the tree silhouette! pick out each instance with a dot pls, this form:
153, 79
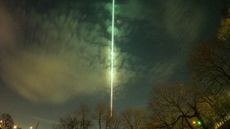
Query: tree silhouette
7, 121
210, 68
134, 118
78, 120
175, 106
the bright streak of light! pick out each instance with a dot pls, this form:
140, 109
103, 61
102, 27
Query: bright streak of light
112, 60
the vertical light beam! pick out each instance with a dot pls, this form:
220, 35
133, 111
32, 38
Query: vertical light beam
112, 60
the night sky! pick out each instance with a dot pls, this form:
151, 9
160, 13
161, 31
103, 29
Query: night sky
54, 54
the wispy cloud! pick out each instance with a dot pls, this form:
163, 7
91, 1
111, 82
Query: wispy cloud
65, 54
66, 58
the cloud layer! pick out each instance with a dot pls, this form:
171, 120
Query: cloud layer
63, 54
65, 58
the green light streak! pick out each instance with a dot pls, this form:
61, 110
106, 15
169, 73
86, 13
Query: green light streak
112, 60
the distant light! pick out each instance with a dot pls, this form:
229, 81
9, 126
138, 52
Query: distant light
31, 127
15, 127
199, 123
1, 121
194, 122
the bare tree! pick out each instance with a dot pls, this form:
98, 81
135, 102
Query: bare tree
77, 120
84, 117
210, 64
7, 121
100, 114
174, 106
210, 68
104, 119
224, 29
113, 122
134, 118
69, 122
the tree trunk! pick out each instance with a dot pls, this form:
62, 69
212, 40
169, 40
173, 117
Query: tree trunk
99, 123
190, 126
